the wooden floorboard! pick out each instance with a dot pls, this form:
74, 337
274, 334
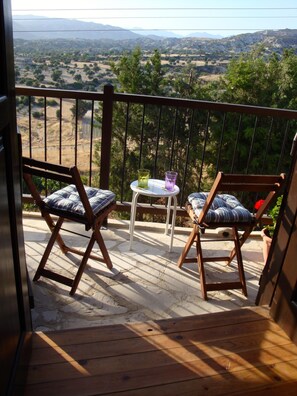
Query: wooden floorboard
236, 352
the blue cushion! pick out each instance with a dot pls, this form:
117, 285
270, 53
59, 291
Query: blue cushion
68, 199
225, 208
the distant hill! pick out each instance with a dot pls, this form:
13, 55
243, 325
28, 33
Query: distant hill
271, 41
204, 35
156, 34
30, 27
81, 34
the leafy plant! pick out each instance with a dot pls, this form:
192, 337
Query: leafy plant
274, 212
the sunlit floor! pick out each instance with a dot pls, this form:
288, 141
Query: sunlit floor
145, 282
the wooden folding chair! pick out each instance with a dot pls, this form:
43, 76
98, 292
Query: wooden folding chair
87, 205
211, 210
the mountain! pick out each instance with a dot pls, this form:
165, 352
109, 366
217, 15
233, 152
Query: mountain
156, 34
71, 33
204, 35
30, 27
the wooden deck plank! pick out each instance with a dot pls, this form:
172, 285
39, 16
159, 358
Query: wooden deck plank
165, 326
209, 355
218, 361
172, 381
138, 344
98, 365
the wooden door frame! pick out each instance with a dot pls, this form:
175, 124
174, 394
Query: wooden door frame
13, 187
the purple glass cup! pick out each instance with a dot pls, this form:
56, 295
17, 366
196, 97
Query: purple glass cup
170, 180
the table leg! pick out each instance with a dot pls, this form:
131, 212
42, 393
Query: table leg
168, 215
173, 222
132, 217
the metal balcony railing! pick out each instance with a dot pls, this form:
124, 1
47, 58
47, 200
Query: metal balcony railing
110, 135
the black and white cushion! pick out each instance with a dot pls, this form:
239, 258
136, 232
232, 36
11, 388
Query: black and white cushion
68, 199
225, 208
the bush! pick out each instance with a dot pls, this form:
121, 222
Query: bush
274, 212
37, 114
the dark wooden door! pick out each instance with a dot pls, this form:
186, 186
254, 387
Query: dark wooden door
278, 286
284, 301
14, 308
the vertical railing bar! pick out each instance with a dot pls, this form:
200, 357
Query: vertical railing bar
252, 145
30, 127
204, 150
158, 140
125, 150
45, 129
60, 132
76, 132
45, 140
141, 136
107, 122
91, 144
173, 138
187, 158
283, 147
220, 144
236, 143
267, 144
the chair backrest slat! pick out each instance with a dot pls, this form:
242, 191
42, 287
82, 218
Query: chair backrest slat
46, 165
256, 179
248, 187
48, 174
82, 193
252, 183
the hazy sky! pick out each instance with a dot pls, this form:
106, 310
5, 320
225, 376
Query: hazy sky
225, 17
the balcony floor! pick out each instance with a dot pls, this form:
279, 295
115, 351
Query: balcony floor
145, 283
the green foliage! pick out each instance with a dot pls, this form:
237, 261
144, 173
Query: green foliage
274, 213
56, 75
51, 102
256, 79
135, 76
37, 114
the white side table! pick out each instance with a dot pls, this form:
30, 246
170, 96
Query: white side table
156, 189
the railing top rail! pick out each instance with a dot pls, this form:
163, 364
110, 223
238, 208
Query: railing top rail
59, 93
160, 100
207, 105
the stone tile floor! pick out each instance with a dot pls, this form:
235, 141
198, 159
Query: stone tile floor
145, 283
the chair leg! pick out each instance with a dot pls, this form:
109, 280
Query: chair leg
242, 239
55, 234
239, 260
201, 267
51, 225
82, 265
188, 245
96, 236
102, 247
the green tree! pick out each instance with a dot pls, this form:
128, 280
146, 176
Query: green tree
254, 79
259, 80
82, 108
136, 76
56, 75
